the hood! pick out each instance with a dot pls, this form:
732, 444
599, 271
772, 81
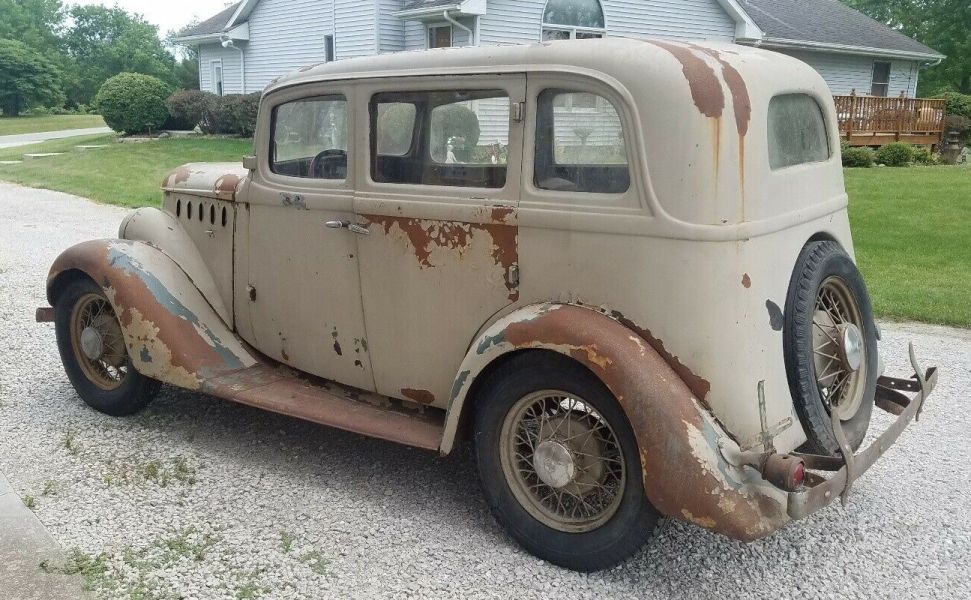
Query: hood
208, 180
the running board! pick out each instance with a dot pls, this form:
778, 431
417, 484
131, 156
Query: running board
282, 390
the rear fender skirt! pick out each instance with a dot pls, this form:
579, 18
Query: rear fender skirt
172, 333
685, 474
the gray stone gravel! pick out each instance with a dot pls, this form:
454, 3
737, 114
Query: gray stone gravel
200, 498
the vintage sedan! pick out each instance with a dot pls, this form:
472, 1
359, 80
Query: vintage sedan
622, 269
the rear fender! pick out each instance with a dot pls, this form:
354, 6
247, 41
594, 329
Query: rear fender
172, 333
685, 474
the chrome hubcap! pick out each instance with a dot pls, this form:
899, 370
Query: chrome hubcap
91, 343
851, 346
554, 464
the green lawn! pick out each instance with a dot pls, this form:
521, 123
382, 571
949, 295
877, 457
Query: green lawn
912, 232
127, 174
15, 125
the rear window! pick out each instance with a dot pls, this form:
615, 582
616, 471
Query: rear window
797, 131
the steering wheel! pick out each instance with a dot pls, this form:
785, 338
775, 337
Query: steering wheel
329, 164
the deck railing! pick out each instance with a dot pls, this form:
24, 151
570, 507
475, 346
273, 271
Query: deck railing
873, 121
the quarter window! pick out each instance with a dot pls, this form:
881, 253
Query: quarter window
573, 20
449, 138
580, 144
310, 138
797, 131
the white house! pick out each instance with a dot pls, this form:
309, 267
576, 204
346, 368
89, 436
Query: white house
252, 42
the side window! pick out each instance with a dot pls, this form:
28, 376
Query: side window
797, 131
580, 145
448, 138
310, 138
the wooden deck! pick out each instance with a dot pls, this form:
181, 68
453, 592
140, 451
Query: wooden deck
874, 121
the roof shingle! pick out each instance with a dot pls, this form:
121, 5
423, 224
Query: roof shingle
212, 25
827, 22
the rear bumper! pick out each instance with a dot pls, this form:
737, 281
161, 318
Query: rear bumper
891, 396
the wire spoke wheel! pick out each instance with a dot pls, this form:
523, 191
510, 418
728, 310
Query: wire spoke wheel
839, 354
98, 342
562, 461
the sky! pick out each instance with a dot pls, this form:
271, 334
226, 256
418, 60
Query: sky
167, 14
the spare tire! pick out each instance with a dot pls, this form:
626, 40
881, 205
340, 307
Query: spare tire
830, 345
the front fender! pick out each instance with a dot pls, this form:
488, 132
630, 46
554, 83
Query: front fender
685, 474
172, 333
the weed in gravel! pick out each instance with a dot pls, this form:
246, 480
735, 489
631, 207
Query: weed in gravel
29, 501
251, 589
161, 472
93, 569
316, 562
50, 486
71, 443
188, 543
286, 541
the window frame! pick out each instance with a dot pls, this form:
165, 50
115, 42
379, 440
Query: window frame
219, 85
430, 27
263, 139
271, 154
886, 84
635, 200
827, 134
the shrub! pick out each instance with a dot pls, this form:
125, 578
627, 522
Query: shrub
960, 124
133, 103
187, 108
897, 154
958, 104
232, 114
454, 121
923, 156
862, 157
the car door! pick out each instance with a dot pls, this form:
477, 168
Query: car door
303, 289
439, 198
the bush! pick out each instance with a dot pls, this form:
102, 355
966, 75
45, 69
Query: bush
232, 114
133, 103
960, 124
861, 157
958, 104
923, 156
187, 108
897, 154
458, 122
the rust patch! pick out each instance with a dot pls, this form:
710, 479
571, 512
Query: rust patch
424, 235
706, 90
683, 472
227, 184
741, 101
501, 213
284, 354
698, 386
746, 281
337, 348
176, 176
419, 396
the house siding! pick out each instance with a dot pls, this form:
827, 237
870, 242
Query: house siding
845, 73
391, 29
232, 83
356, 28
285, 35
520, 21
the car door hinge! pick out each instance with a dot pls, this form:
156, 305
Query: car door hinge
518, 111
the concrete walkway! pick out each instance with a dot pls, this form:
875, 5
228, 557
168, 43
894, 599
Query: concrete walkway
12, 141
24, 544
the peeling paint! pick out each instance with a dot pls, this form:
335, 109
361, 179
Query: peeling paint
706, 89
419, 396
746, 281
776, 318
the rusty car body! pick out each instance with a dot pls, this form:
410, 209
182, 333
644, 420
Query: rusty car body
361, 289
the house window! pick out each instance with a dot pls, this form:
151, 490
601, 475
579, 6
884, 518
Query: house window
881, 79
577, 151
573, 20
440, 36
217, 77
328, 48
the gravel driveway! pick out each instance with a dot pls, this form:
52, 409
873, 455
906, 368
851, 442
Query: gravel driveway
200, 498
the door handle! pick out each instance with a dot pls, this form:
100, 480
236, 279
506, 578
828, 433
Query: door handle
352, 227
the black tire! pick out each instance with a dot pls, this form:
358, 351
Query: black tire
133, 392
819, 262
635, 518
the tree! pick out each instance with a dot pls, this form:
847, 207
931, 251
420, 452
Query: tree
187, 74
944, 25
103, 42
35, 23
27, 79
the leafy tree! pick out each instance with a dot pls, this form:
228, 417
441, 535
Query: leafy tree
103, 42
35, 23
27, 79
944, 25
186, 73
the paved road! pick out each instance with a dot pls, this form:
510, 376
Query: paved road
23, 139
203, 498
